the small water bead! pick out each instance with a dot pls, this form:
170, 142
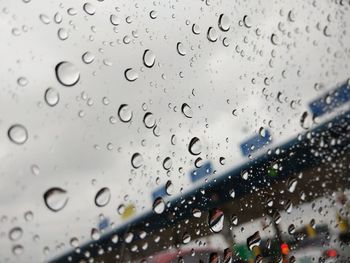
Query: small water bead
291, 185
57, 18
114, 20
89, 9
62, 33
67, 74
169, 188
158, 205
17, 249
262, 132
95, 234
186, 110
186, 238
35, 169
153, 14
232, 193
212, 34
15, 233
222, 160
254, 240
28, 216
22, 81
244, 175
196, 213
125, 113
115, 238
74, 242
196, 29
149, 120
52, 97
173, 139
18, 134
274, 39
44, 19
195, 146
216, 220
149, 58
136, 160
72, 11
167, 163
131, 74
55, 199
88, 57
180, 49
224, 22
247, 21
103, 197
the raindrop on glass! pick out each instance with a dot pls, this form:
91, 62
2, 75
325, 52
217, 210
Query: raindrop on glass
55, 199
52, 97
102, 197
158, 205
195, 146
136, 160
67, 74
18, 134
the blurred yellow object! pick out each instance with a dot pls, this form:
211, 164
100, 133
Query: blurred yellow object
128, 212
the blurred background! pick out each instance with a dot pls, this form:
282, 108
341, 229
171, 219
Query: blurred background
174, 131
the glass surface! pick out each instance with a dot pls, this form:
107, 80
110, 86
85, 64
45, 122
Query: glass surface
174, 131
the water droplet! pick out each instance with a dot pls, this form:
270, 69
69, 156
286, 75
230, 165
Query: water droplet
291, 229
195, 146
115, 238
153, 14
232, 193
89, 9
169, 187
95, 234
149, 120
216, 220
18, 134
224, 22
149, 58
124, 113
292, 184
274, 39
67, 74
186, 238
247, 21
74, 242
136, 160
173, 139
114, 20
159, 205
180, 49
15, 233
212, 34
222, 160
131, 74
244, 175
198, 162
55, 199
28, 216
254, 240
305, 120
52, 97
62, 34
186, 110
102, 197
291, 16
276, 217
44, 19
196, 213
195, 29
35, 169
234, 220
262, 132
22, 81
167, 163
88, 57
17, 250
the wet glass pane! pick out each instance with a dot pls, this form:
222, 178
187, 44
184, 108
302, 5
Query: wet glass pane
175, 131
